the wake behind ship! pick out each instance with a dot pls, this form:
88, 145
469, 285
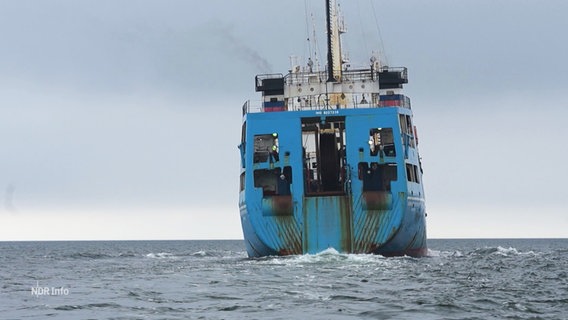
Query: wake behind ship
330, 160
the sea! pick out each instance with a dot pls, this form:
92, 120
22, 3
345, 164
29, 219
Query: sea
459, 279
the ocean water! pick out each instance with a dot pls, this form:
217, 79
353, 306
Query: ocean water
461, 279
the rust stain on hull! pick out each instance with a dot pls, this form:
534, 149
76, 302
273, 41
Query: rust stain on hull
327, 224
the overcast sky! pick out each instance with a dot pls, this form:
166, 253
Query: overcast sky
120, 119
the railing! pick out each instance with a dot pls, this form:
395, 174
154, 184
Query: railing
252, 107
320, 104
321, 77
354, 75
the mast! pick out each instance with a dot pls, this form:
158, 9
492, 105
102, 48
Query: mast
333, 43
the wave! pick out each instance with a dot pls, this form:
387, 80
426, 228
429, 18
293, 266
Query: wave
89, 255
87, 306
197, 254
97, 255
204, 254
200, 253
501, 251
161, 255
328, 256
444, 254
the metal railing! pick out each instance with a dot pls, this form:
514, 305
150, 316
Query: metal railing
321, 77
252, 107
257, 106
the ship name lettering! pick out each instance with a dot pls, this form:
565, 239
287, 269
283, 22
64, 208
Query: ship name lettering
327, 112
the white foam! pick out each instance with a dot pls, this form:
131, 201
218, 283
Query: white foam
328, 256
199, 253
328, 251
160, 255
444, 254
506, 251
512, 252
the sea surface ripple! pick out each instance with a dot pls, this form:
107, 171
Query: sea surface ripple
460, 279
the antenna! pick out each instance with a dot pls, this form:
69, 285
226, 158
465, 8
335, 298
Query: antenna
333, 43
315, 38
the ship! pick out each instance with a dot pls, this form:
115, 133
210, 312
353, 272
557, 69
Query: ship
329, 160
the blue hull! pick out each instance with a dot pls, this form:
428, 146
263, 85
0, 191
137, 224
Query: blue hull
366, 211
368, 236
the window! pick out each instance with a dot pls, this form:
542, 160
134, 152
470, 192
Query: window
407, 130
243, 132
242, 146
381, 142
242, 184
412, 173
416, 176
409, 172
266, 148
